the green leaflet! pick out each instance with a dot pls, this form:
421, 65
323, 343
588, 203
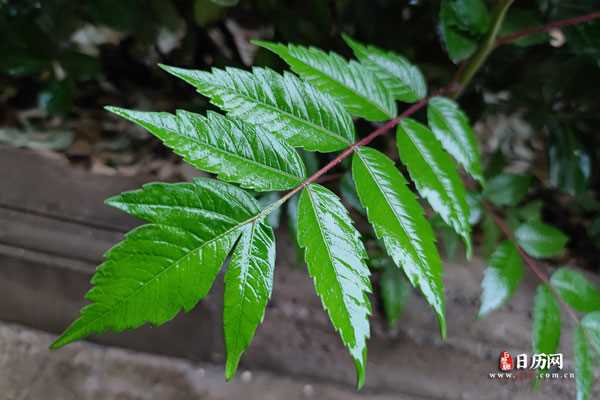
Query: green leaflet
575, 289
459, 40
584, 375
540, 240
435, 176
403, 79
502, 276
395, 292
248, 284
336, 261
237, 152
546, 321
351, 83
169, 263
284, 105
398, 219
452, 128
591, 324
507, 189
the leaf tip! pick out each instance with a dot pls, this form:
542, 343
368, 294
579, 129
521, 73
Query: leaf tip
231, 366
360, 372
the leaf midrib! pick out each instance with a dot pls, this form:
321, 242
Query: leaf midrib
290, 115
176, 262
409, 88
341, 84
239, 158
338, 287
393, 210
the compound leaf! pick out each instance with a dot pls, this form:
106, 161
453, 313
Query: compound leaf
546, 321
575, 289
435, 176
248, 284
351, 83
452, 128
237, 152
502, 276
403, 79
398, 220
168, 264
284, 105
540, 240
336, 261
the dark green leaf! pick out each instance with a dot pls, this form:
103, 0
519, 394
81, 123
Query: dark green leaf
517, 20
463, 22
168, 264
336, 261
399, 221
507, 189
248, 285
348, 190
540, 240
502, 276
351, 83
284, 105
584, 375
395, 292
435, 176
491, 234
237, 152
452, 128
576, 290
546, 321
404, 80
569, 162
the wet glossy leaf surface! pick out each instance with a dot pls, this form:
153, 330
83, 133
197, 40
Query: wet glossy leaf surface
452, 128
171, 262
351, 83
435, 175
237, 152
399, 221
540, 240
403, 79
502, 276
336, 257
284, 105
248, 286
576, 290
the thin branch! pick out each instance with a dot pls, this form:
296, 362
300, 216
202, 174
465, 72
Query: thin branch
531, 263
546, 28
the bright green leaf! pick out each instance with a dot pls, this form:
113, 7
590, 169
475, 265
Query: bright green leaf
403, 79
398, 220
507, 189
336, 261
351, 83
503, 274
235, 151
284, 105
248, 284
168, 264
546, 321
576, 290
540, 240
452, 128
435, 176
584, 375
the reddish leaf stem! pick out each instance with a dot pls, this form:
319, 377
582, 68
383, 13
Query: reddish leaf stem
531, 263
546, 28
